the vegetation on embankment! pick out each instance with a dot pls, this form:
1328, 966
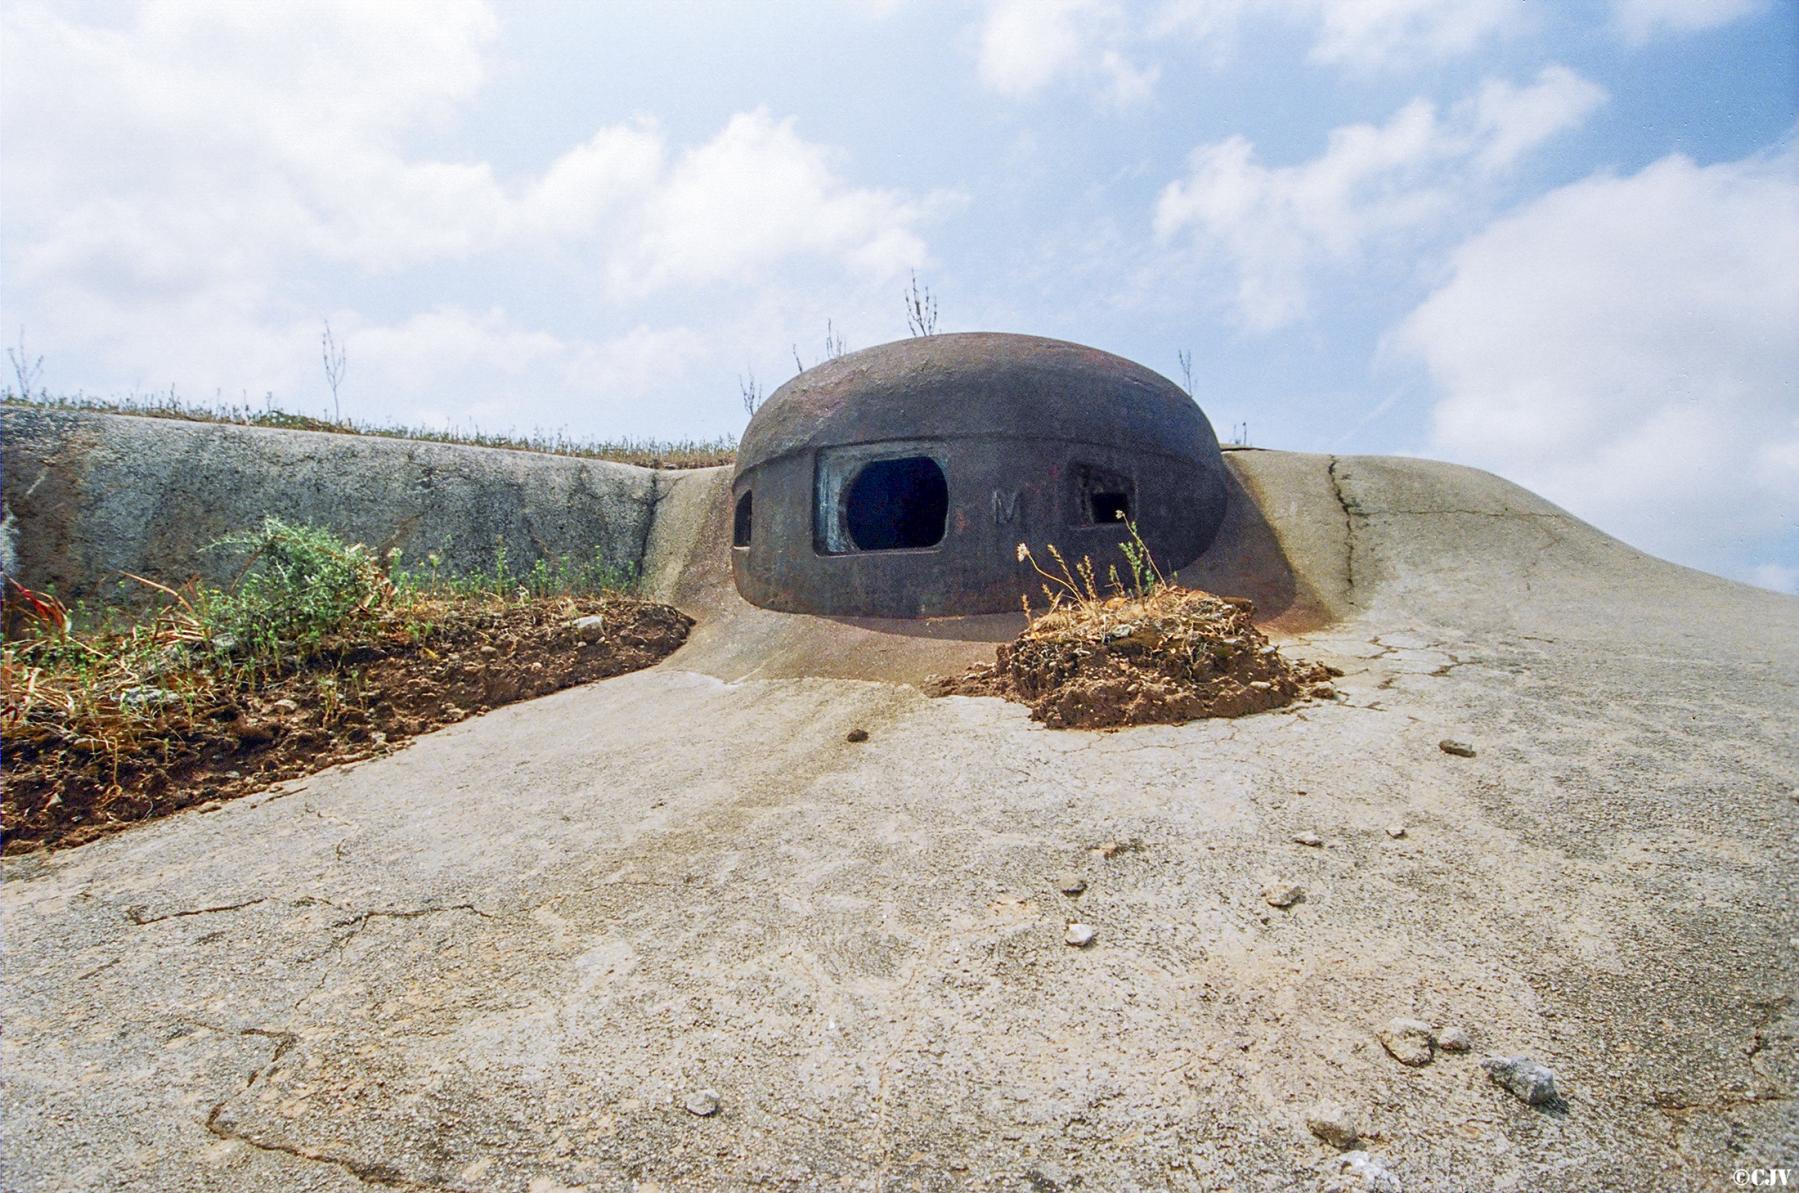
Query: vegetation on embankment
647, 453
318, 654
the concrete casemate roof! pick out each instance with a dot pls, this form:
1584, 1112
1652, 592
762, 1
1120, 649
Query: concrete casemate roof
978, 384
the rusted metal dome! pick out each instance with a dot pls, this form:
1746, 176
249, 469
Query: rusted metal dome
899, 480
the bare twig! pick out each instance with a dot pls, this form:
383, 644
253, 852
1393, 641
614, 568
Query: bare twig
336, 362
750, 392
25, 370
921, 309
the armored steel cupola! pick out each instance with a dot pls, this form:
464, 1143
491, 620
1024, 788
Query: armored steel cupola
898, 481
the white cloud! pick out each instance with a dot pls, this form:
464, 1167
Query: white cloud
189, 184
1625, 346
754, 194
1641, 20
1777, 577
1025, 45
1277, 226
1366, 34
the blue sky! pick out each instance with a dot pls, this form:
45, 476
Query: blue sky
1556, 240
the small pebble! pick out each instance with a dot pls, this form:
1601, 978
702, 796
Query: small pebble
1071, 884
1407, 1041
1396, 831
857, 735
1460, 749
1324, 691
1454, 1038
1312, 839
1080, 935
1282, 894
1333, 1123
1106, 848
590, 628
702, 1102
285, 705
1528, 1081
1364, 1174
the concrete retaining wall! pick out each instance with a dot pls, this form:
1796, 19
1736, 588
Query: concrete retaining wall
88, 496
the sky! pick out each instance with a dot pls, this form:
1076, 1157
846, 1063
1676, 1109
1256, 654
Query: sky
1558, 241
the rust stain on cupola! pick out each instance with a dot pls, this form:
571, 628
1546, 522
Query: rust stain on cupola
898, 481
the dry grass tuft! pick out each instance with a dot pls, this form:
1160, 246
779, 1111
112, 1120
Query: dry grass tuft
1139, 651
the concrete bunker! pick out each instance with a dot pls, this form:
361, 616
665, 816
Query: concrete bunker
898, 481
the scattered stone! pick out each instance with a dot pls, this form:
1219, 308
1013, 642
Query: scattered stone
1333, 1123
1080, 935
1362, 1173
702, 1102
285, 705
1530, 1082
591, 628
1454, 1038
1460, 749
144, 697
1071, 884
1311, 839
1324, 691
1282, 894
856, 735
1396, 831
1408, 1041
379, 738
1106, 848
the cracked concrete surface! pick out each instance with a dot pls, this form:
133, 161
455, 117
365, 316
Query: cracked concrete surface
501, 957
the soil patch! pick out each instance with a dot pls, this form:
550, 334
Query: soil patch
1176, 655
339, 706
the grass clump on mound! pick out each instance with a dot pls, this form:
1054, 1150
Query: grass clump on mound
318, 654
1144, 651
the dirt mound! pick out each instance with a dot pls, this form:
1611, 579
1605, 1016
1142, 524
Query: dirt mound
1176, 655
63, 789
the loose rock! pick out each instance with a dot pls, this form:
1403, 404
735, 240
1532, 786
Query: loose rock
856, 735
1530, 1082
1454, 1039
1312, 839
1333, 1123
1460, 749
1362, 1173
1080, 935
147, 697
590, 628
1396, 831
1408, 1041
1071, 884
702, 1103
1282, 894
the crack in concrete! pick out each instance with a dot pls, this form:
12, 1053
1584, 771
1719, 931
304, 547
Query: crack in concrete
649, 524
382, 1175
1349, 512
136, 913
